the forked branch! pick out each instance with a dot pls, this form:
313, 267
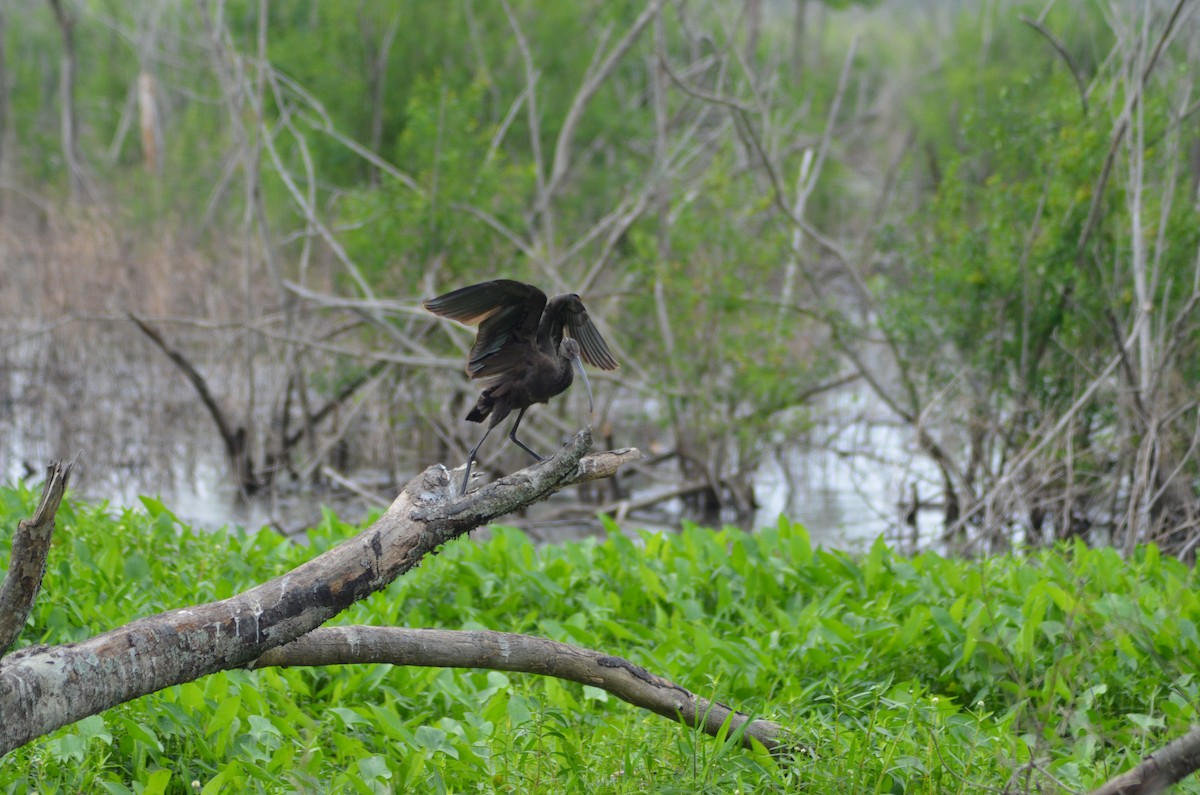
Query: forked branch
42, 689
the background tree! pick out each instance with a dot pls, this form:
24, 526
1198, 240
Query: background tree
963, 246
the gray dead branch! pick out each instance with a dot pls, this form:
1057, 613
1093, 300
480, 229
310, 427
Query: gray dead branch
44, 688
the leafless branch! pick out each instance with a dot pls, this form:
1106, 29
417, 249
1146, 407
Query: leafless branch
1061, 49
591, 84
505, 651
233, 439
1119, 130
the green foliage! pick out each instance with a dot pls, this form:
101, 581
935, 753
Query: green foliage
994, 272
894, 674
739, 358
450, 156
998, 314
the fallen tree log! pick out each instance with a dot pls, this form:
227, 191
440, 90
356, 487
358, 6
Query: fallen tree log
1169, 765
43, 688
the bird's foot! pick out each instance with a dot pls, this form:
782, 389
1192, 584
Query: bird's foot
466, 481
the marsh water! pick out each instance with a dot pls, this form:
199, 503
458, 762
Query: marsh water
135, 428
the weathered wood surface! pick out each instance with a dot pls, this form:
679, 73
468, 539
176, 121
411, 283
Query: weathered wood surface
27, 563
1169, 765
504, 651
44, 688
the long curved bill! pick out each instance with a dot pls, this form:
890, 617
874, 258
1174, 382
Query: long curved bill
577, 360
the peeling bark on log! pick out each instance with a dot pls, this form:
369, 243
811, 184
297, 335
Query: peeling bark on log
503, 651
27, 563
42, 688
1174, 762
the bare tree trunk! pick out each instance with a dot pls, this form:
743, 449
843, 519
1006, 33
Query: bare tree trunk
27, 563
377, 63
149, 24
506, 651
753, 10
148, 119
1173, 763
798, 39
69, 121
6, 137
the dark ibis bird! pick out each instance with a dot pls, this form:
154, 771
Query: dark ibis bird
525, 349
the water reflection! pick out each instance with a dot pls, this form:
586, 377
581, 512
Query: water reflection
853, 480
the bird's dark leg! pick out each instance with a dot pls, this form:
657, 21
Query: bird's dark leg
513, 435
471, 458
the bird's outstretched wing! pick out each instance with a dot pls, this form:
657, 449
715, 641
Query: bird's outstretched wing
569, 311
507, 313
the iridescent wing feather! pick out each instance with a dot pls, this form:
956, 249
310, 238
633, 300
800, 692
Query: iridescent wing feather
507, 313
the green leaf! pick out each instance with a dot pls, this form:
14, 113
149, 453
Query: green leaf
157, 783
142, 733
1145, 722
350, 717
375, 768
518, 711
93, 727
595, 693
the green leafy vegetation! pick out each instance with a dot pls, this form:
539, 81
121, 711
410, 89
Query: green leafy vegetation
987, 226
892, 674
